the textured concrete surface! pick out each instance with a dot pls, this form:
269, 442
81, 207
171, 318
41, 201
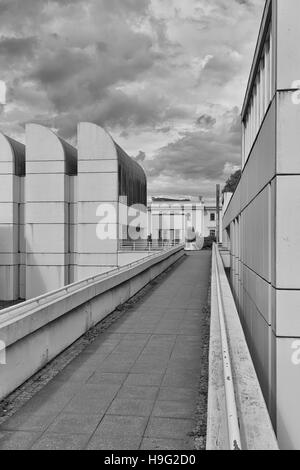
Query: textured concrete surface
135, 386
12, 194
35, 335
254, 421
263, 225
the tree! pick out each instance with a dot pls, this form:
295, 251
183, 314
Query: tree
232, 182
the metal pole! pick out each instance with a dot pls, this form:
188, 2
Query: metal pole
218, 211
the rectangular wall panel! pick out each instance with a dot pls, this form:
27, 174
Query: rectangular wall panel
266, 208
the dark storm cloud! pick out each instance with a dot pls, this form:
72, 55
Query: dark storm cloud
4, 7
89, 74
163, 76
128, 6
54, 68
66, 2
205, 121
220, 69
248, 3
16, 47
19, 15
118, 109
199, 154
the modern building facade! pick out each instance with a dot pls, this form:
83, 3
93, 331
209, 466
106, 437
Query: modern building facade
63, 210
51, 166
12, 225
108, 182
261, 226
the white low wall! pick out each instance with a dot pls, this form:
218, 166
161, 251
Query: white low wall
36, 331
255, 424
226, 258
130, 256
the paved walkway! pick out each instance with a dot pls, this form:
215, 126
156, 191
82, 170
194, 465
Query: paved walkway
135, 386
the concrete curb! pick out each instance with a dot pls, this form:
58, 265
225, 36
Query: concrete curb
255, 425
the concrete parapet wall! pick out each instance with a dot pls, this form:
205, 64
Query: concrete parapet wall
36, 331
129, 257
255, 424
261, 223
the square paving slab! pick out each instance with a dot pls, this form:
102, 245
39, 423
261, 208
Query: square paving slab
136, 386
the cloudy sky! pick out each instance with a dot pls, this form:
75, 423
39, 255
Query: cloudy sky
165, 77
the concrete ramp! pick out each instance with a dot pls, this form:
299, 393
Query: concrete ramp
137, 385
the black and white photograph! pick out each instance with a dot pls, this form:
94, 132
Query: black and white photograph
149, 228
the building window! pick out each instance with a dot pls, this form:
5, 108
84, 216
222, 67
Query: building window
212, 217
259, 96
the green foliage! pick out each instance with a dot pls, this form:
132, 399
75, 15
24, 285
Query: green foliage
208, 242
232, 182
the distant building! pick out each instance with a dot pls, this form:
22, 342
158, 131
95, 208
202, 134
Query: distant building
210, 217
182, 219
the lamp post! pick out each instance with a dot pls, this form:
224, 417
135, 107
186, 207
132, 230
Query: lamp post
218, 190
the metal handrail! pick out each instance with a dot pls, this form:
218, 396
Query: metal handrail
231, 408
48, 297
146, 245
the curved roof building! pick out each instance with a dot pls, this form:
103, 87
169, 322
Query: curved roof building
108, 180
132, 179
12, 169
42, 144
96, 145
13, 152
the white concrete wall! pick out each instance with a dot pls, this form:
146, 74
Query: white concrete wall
72, 228
36, 331
264, 225
171, 216
57, 241
255, 425
12, 259
47, 212
209, 224
97, 183
125, 258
